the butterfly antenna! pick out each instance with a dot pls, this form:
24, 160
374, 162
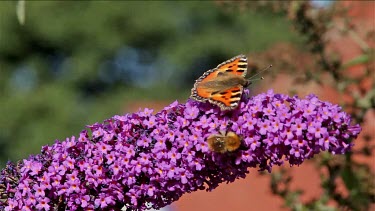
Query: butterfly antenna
265, 69
256, 79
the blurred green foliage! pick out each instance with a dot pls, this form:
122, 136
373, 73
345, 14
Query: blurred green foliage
74, 63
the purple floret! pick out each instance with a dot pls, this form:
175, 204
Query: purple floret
142, 160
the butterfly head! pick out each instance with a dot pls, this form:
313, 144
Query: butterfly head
247, 83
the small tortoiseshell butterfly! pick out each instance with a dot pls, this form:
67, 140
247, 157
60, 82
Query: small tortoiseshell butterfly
224, 84
224, 142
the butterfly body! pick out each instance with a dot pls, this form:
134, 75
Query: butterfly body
223, 85
222, 82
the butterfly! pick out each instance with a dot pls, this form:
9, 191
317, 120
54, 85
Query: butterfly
223, 85
222, 143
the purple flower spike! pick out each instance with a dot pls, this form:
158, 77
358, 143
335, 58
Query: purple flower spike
142, 160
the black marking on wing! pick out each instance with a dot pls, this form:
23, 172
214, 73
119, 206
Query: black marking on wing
220, 74
241, 70
236, 95
215, 92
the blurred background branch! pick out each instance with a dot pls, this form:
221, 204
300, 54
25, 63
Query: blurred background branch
20, 10
319, 28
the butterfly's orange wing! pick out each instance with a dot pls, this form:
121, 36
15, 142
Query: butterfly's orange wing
228, 97
236, 65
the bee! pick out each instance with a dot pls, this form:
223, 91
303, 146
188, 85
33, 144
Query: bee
224, 142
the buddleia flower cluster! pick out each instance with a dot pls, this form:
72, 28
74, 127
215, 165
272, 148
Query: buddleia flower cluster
143, 160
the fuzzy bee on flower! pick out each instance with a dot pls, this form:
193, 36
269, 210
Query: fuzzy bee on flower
224, 142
